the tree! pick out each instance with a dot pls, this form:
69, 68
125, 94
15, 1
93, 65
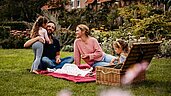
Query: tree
20, 10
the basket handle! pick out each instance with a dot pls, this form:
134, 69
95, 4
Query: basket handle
106, 72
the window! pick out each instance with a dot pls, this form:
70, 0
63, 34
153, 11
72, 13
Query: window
72, 4
78, 3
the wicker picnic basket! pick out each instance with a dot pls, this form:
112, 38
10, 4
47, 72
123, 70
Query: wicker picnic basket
110, 75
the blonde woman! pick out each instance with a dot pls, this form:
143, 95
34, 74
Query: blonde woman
88, 49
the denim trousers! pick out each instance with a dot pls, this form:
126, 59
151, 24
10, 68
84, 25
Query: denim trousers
38, 50
105, 61
51, 63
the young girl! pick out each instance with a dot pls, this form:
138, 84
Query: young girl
122, 49
38, 29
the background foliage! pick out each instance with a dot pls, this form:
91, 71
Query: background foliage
131, 22
20, 10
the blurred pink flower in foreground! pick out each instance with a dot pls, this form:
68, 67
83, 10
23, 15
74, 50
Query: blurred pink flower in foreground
64, 92
115, 92
133, 72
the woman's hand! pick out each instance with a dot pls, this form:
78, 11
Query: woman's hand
84, 56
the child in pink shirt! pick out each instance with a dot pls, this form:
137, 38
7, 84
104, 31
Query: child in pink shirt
88, 49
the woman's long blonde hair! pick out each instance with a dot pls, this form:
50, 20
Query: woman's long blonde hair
85, 28
39, 23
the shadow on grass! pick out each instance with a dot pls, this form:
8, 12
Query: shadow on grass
149, 83
162, 86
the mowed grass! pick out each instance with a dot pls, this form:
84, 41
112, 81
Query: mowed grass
16, 80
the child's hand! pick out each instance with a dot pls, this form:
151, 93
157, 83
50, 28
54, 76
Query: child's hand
40, 39
112, 61
49, 42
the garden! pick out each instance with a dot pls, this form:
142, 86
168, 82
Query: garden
141, 22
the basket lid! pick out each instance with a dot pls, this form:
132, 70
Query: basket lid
139, 52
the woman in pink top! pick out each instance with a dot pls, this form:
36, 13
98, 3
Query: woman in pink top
88, 49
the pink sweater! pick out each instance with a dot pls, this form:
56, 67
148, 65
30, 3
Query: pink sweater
92, 48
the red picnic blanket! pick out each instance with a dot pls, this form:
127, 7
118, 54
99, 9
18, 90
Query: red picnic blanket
76, 79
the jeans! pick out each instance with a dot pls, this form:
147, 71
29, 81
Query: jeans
51, 63
105, 61
38, 50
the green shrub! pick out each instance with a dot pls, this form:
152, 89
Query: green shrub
68, 48
4, 32
153, 28
165, 48
16, 39
66, 37
17, 25
106, 39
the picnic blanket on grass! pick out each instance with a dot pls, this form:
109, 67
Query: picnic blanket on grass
76, 79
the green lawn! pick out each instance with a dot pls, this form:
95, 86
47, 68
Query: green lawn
15, 79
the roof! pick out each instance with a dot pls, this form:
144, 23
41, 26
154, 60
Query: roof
89, 1
99, 1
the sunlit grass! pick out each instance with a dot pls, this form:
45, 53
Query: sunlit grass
16, 80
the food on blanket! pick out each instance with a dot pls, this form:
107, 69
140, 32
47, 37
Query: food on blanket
51, 70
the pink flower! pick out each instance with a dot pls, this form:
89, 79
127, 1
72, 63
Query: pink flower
134, 71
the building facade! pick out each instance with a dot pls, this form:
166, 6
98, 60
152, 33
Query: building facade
78, 4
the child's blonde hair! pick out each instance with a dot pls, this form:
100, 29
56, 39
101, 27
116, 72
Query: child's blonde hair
39, 23
121, 44
85, 28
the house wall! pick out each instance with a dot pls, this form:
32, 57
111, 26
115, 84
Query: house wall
78, 4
